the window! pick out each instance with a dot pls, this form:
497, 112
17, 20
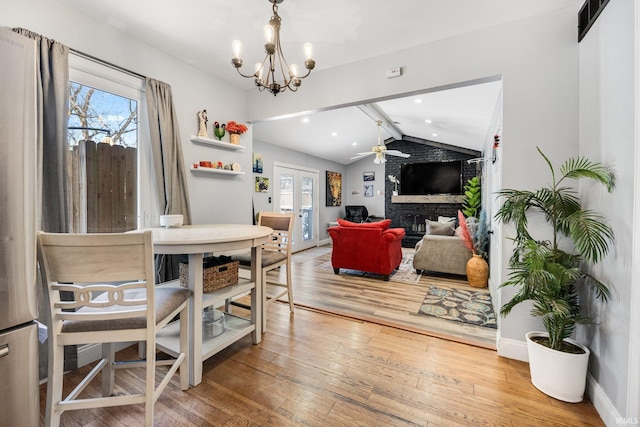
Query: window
109, 154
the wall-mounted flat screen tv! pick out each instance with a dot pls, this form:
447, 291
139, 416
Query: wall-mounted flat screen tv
431, 178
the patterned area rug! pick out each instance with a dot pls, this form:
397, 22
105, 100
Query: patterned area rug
462, 305
405, 273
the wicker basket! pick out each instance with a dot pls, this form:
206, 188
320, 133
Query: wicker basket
213, 278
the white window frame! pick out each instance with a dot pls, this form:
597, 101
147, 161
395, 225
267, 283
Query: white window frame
109, 79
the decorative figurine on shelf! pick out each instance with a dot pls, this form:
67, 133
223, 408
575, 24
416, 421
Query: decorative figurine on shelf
219, 130
202, 123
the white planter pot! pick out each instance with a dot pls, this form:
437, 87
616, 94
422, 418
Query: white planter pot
560, 375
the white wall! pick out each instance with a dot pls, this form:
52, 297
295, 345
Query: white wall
608, 113
213, 199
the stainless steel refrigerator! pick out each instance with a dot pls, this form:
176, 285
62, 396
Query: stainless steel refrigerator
19, 376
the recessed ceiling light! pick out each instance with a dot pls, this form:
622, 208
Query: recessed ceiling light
334, 134
305, 120
417, 101
354, 143
434, 134
427, 121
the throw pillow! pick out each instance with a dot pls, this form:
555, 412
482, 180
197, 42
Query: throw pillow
439, 228
382, 225
446, 219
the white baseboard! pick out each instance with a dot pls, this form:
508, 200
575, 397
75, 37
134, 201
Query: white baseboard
89, 353
603, 405
324, 242
512, 349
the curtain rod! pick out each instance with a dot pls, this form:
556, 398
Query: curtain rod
108, 64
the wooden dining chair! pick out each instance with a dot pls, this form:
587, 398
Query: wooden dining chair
275, 253
111, 277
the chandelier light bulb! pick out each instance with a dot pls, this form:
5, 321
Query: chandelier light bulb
236, 46
308, 51
268, 32
293, 70
258, 71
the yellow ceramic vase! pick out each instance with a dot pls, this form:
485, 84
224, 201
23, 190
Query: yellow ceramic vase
234, 138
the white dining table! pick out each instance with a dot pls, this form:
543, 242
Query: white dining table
196, 241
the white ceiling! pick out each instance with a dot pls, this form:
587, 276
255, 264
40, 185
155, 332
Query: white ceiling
200, 32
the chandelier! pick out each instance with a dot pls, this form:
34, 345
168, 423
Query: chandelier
274, 64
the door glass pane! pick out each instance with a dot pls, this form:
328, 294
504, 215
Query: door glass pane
286, 193
307, 209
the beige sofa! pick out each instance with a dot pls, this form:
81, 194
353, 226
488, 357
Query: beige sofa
443, 254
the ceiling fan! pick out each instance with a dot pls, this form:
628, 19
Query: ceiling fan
380, 150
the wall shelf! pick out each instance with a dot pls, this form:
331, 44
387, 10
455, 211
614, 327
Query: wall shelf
215, 143
215, 171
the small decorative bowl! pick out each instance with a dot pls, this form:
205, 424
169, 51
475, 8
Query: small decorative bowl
171, 220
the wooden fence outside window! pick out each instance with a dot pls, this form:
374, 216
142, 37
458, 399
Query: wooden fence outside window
103, 187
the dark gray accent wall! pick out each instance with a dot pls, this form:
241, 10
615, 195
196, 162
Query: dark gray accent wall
412, 216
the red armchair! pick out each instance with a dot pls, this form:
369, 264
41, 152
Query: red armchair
370, 247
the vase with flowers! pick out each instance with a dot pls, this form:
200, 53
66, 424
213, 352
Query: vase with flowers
235, 130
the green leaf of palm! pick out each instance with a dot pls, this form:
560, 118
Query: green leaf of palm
590, 234
583, 168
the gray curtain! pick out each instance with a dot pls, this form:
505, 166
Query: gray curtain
52, 63
170, 174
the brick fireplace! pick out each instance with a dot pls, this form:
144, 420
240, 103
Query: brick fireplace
410, 212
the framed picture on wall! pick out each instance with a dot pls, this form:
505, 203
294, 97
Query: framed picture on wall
257, 162
368, 190
368, 176
334, 189
262, 184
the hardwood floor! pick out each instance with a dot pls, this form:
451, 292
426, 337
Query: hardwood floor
316, 369
320, 370
390, 303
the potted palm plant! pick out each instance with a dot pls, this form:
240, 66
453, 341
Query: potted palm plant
549, 276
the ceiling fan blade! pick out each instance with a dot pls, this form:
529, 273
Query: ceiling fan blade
398, 153
360, 155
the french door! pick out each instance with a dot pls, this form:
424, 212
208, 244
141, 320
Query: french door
296, 191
